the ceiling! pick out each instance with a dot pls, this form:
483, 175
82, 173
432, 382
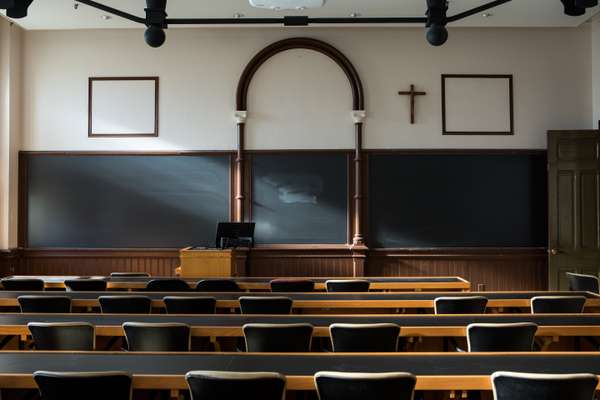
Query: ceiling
60, 14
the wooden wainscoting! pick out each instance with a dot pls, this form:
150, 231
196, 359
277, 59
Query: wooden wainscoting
97, 262
497, 269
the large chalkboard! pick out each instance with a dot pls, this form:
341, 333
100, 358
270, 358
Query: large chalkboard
457, 200
300, 198
118, 201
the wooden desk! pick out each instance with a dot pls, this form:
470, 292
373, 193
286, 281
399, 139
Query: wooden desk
550, 326
331, 301
434, 371
452, 283
212, 262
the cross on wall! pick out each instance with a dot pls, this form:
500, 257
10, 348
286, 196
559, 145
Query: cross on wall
413, 94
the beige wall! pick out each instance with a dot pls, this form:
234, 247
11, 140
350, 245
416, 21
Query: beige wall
596, 69
300, 99
10, 126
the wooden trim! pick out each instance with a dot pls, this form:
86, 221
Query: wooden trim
445, 131
480, 151
23, 201
91, 81
460, 252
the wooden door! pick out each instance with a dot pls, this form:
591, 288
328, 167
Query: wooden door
573, 202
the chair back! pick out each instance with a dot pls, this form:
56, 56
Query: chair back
157, 337
347, 285
64, 336
217, 385
130, 274
167, 285
364, 337
460, 305
84, 385
365, 386
583, 283
125, 304
190, 305
292, 285
278, 338
44, 304
217, 285
557, 304
85, 285
23, 284
501, 337
520, 386
265, 305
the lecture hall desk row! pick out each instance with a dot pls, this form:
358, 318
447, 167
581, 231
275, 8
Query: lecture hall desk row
434, 371
551, 326
332, 302
416, 284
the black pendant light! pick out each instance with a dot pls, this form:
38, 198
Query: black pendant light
586, 3
571, 9
15, 8
156, 21
437, 34
4, 4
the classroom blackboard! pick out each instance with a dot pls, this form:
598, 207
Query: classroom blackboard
300, 198
458, 200
125, 201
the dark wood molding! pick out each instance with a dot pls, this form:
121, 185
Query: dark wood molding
91, 81
509, 77
9, 261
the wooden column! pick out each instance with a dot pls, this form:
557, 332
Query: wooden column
358, 239
240, 118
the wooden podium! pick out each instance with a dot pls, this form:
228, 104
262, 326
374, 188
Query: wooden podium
209, 263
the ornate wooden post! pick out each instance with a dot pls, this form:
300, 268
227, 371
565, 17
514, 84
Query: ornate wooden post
359, 250
240, 119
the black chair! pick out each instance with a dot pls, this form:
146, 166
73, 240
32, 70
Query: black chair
216, 385
64, 336
125, 304
190, 305
45, 304
217, 285
167, 285
22, 284
501, 337
265, 305
583, 283
292, 285
460, 305
347, 285
557, 304
520, 386
364, 337
157, 337
83, 385
363, 386
130, 274
85, 285
278, 338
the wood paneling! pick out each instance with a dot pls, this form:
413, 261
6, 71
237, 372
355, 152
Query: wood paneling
496, 269
9, 260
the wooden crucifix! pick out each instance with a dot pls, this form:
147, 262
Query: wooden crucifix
412, 93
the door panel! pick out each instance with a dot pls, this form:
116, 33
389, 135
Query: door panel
574, 207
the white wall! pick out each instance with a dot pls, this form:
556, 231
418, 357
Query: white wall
596, 69
300, 99
10, 120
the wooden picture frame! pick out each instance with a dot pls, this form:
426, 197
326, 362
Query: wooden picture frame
100, 105
500, 116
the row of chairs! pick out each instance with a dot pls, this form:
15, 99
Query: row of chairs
75, 336
179, 285
134, 304
217, 385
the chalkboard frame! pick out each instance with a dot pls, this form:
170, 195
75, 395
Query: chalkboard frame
25, 156
248, 184
366, 203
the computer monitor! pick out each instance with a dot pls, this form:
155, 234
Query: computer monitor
235, 234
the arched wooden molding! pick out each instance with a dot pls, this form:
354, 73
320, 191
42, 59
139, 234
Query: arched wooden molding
358, 115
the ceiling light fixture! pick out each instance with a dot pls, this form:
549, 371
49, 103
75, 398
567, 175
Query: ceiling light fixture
15, 8
437, 34
156, 17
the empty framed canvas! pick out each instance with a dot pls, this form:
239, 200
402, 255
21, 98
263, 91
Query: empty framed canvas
477, 105
123, 106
